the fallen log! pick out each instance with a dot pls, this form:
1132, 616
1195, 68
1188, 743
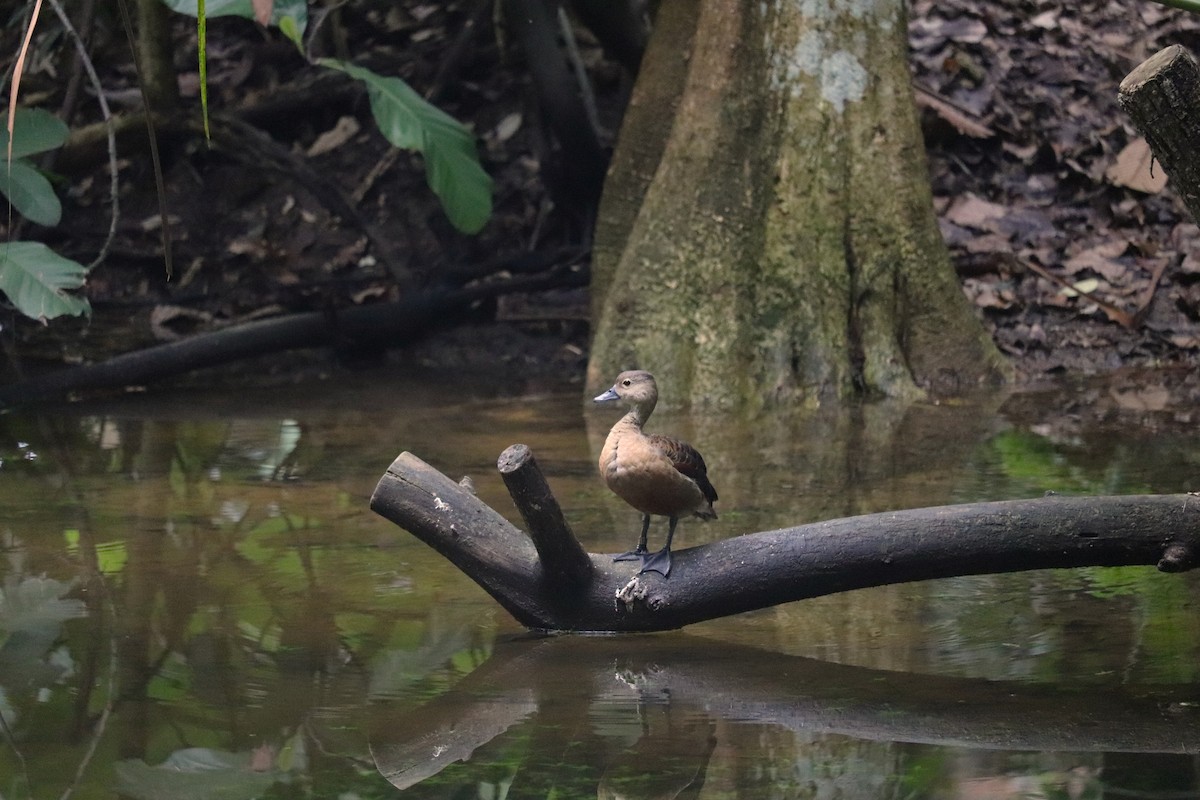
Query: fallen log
378, 324
550, 583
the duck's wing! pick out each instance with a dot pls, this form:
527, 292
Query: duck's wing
687, 460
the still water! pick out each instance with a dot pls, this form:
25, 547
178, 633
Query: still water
195, 602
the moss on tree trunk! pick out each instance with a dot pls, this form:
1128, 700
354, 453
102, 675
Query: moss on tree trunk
786, 249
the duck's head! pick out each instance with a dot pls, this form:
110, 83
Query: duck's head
636, 389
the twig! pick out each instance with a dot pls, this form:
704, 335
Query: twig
12, 742
373, 175
960, 118
1121, 317
564, 561
109, 699
585, 85
151, 130
114, 177
1147, 296
459, 49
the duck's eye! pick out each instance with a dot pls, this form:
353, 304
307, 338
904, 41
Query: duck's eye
626, 382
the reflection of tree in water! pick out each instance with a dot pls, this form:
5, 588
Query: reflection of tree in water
246, 618
663, 716
267, 627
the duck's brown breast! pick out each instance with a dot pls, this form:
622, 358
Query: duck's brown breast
638, 472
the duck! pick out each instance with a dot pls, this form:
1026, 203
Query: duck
658, 475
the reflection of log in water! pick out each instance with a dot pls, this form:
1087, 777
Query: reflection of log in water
697, 682
550, 583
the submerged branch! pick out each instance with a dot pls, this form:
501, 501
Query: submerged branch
763, 569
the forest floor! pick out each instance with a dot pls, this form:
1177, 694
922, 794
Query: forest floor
1078, 259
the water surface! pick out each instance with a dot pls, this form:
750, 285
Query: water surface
195, 601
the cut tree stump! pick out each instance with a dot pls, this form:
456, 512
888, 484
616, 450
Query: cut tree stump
547, 581
1162, 96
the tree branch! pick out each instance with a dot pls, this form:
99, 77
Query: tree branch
763, 569
564, 560
372, 325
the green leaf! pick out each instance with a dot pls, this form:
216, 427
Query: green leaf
452, 166
197, 773
296, 9
202, 57
30, 193
37, 281
34, 131
290, 28
1186, 5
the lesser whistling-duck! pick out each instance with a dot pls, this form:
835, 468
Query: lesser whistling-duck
655, 474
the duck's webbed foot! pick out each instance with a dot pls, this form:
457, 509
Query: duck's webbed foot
638, 553
659, 562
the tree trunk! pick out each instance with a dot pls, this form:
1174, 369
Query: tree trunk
644, 133
786, 249
550, 583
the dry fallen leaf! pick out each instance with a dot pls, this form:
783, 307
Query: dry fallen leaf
1185, 341
1100, 259
335, 137
972, 211
987, 243
1135, 169
507, 127
1149, 398
1086, 286
988, 295
1047, 20
262, 11
1185, 238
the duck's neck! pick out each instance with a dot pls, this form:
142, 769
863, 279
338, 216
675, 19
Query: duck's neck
639, 413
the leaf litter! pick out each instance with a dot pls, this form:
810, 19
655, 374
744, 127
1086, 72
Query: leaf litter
1077, 258
1077, 254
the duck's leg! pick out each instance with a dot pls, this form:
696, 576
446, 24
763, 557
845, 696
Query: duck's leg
660, 562
639, 553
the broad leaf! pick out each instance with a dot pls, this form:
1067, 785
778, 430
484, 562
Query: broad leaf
297, 10
452, 165
198, 773
290, 28
34, 131
36, 603
30, 193
38, 281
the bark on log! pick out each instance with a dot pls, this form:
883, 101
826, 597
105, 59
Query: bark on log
705, 679
564, 561
763, 569
1162, 96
